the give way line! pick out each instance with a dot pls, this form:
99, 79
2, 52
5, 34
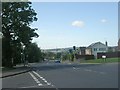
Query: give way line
35, 76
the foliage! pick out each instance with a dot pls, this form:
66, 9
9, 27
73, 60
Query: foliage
16, 20
33, 53
58, 55
50, 55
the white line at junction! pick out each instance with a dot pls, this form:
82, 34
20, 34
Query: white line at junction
35, 79
41, 78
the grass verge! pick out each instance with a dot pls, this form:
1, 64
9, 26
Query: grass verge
108, 60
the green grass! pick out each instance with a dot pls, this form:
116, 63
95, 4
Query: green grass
108, 60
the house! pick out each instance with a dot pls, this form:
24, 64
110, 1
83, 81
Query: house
84, 54
88, 51
113, 49
82, 50
97, 47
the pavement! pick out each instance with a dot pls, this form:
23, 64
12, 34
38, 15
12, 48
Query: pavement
18, 69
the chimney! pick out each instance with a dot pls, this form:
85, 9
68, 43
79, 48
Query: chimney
106, 43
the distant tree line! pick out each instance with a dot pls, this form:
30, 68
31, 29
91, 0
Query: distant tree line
69, 55
17, 35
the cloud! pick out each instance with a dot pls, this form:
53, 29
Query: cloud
103, 20
78, 23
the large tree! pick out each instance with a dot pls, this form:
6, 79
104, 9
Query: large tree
16, 20
33, 53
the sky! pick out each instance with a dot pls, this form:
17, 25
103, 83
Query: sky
68, 24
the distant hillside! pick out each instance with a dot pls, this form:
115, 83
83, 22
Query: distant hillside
56, 50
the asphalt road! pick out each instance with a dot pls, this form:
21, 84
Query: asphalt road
53, 75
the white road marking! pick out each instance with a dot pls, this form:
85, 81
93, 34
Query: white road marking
102, 72
52, 85
45, 81
34, 86
89, 70
40, 84
36, 80
42, 78
74, 68
29, 86
94, 71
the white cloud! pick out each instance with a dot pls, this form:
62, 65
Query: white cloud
78, 23
103, 20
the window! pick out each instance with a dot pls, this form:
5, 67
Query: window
95, 49
102, 49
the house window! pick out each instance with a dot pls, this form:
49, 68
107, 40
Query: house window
102, 49
95, 49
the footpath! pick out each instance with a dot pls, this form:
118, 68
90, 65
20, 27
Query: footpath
18, 69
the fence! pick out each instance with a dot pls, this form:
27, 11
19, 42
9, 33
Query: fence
109, 54
85, 57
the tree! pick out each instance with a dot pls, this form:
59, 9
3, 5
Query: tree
50, 55
58, 55
16, 20
71, 53
33, 53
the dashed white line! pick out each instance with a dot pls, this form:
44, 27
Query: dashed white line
42, 78
45, 81
89, 70
94, 71
74, 68
29, 86
35, 86
36, 80
102, 72
40, 84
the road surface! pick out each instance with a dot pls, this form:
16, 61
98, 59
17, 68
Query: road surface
55, 75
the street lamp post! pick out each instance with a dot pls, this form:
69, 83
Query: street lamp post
23, 54
74, 52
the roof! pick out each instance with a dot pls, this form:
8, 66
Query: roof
94, 44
